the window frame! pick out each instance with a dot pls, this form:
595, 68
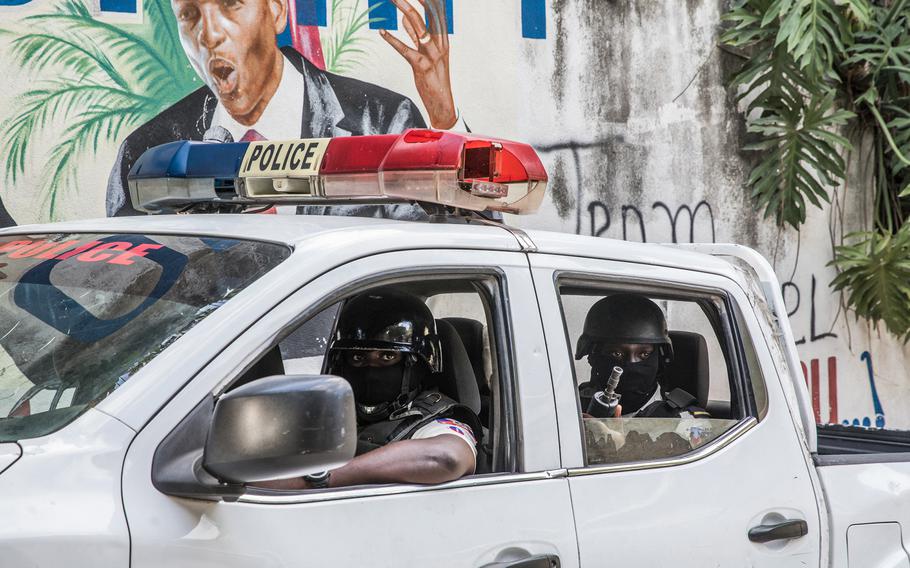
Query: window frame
491, 287
729, 337
507, 447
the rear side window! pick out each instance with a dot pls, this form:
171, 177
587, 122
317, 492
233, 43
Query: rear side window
81, 313
680, 387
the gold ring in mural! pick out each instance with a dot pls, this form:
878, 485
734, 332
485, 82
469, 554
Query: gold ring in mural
424, 39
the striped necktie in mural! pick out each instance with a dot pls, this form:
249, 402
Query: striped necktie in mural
252, 136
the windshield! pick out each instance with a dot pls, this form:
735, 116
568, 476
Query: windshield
81, 313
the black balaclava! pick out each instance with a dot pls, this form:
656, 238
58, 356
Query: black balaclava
638, 383
379, 391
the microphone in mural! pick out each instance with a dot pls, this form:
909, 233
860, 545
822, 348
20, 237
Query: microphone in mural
256, 90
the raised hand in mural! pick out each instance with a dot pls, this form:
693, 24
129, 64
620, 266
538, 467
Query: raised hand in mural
429, 58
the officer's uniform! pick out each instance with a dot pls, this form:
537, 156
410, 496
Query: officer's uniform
430, 414
401, 404
674, 404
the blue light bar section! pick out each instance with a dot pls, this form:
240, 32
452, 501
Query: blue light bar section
189, 159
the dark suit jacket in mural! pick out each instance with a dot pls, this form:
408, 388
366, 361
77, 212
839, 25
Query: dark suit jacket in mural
6, 220
332, 106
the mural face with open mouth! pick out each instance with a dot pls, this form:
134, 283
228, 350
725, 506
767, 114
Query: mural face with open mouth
231, 44
223, 75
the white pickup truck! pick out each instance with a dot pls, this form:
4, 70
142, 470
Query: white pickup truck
123, 341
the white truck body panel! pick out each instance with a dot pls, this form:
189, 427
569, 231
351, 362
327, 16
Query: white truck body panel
621, 509
72, 494
868, 509
61, 502
470, 522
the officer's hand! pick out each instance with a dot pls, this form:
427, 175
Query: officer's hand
429, 59
618, 412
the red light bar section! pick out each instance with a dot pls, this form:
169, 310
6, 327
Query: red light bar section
357, 154
483, 158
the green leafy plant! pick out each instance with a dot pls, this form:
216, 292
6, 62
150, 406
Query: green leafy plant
343, 46
108, 79
822, 77
875, 273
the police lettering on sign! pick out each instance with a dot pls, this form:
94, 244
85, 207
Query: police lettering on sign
296, 158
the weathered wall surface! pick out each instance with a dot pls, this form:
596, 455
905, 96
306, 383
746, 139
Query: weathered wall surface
625, 102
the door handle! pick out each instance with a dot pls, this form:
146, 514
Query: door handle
784, 530
539, 561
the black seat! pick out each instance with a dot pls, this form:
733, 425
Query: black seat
689, 370
457, 379
472, 336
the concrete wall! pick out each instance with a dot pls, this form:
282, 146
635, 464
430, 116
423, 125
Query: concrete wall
626, 103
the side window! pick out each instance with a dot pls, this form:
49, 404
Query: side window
466, 314
680, 384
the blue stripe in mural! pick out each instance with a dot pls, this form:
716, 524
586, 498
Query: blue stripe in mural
285, 37
534, 19
384, 14
450, 20
121, 6
311, 13
14, 2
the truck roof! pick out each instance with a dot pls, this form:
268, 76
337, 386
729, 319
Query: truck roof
380, 235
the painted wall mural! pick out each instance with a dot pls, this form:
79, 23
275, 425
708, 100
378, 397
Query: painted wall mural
625, 101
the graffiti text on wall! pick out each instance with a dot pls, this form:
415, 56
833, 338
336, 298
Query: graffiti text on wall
631, 216
793, 296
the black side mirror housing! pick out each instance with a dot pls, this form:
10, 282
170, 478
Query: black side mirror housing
280, 427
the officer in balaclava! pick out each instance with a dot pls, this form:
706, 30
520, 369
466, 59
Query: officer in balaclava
386, 346
630, 331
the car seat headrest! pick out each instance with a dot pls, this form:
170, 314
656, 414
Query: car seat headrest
457, 379
689, 370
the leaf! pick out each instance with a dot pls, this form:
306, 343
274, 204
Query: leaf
801, 157
814, 32
342, 48
875, 272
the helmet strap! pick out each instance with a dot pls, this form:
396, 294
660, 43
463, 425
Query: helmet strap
407, 393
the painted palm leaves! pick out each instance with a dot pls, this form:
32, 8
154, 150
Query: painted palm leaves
106, 80
343, 43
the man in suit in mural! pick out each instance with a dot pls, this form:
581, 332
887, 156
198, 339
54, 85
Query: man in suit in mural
256, 90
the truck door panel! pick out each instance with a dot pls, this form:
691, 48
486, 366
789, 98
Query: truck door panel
470, 522
693, 509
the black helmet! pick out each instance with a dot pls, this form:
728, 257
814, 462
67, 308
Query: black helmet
625, 318
390, 320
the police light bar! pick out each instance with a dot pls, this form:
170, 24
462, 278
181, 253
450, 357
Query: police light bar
464, 171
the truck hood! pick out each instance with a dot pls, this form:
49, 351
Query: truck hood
9, 453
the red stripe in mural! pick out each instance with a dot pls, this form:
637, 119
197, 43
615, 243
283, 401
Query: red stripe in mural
832, 390
306, 38
816, 399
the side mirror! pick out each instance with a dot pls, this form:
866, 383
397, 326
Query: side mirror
281, 426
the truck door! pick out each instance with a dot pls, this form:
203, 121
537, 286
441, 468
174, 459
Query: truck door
515, 511
731, 489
